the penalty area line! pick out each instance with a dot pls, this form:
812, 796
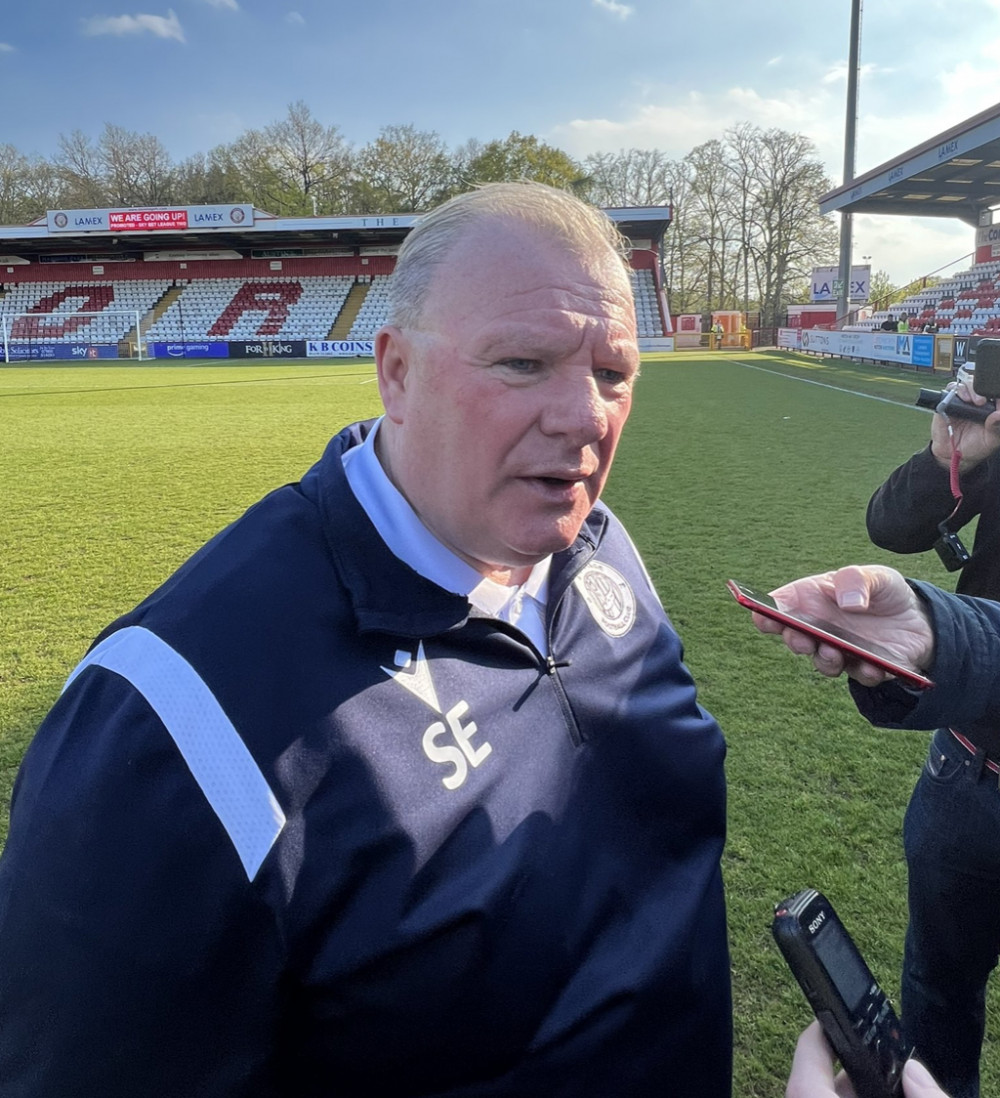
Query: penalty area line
836, 388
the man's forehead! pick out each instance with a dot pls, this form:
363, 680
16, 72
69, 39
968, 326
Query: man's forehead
524, 270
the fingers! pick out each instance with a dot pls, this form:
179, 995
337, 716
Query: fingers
918, 1081
874, 587
812, 1069
852, 587
966, 393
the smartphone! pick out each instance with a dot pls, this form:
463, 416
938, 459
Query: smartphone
849, 643
857, 1017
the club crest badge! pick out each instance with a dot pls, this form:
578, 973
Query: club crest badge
608, 597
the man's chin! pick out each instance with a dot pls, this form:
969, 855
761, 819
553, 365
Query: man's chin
530, 550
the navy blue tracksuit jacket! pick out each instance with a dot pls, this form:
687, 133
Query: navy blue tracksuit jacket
302, 825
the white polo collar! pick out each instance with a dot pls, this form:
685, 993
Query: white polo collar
411, 541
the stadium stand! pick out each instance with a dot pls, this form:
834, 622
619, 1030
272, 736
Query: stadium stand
57, 311
967, 303
248, 308
228, 308
374, 312
232, 281
647, 310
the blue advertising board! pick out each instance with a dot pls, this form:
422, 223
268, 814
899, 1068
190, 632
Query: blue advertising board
922, 353
29, 352
204, 349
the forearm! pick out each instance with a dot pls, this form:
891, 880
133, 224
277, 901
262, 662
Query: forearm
904, 513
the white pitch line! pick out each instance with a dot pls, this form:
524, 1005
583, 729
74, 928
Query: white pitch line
824, 385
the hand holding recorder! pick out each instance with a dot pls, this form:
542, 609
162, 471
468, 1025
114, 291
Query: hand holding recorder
854, 1012
813, 1072
889, 631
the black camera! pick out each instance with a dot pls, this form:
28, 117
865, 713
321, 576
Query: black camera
950, 549
984, 373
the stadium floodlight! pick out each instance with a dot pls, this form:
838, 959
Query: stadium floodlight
850, 142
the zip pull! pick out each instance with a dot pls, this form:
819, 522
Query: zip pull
552, 664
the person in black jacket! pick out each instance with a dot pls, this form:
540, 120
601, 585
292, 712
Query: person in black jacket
952, 854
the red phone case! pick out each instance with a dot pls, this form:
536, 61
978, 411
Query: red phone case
850, 644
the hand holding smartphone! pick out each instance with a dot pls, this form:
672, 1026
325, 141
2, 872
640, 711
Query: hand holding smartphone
851, 644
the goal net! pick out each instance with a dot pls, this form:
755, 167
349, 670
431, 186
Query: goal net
65, 334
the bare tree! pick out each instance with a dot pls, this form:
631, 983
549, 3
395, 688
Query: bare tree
712, 195
122, 169
44, 189
313, 159
207, 179
136, 168
686, 252
632, 177
79, 164
788, 233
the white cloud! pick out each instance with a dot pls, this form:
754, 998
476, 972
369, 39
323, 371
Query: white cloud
774, 61
967, 83
229, 5
622, 11
678, 125
295, 18
6, 47
162, 26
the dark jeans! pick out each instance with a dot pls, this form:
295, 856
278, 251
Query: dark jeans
952, 840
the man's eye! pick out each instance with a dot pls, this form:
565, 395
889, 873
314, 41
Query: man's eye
519, 365
613, 377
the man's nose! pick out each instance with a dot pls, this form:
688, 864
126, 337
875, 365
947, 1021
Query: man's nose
576, 409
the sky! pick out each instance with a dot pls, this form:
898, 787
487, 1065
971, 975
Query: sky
584, 75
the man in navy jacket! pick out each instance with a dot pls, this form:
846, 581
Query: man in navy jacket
399, 786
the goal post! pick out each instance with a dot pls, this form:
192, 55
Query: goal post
77, 336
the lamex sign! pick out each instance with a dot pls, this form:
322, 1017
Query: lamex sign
150, 219
340, 348
826, 283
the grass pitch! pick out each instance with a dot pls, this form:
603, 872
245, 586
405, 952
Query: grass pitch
755, 466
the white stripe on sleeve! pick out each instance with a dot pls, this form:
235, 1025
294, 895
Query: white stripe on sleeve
215, 754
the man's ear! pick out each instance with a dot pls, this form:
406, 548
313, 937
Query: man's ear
392, 362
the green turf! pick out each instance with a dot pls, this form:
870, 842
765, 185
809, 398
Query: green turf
755, 466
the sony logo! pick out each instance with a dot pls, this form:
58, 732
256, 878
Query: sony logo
817, 922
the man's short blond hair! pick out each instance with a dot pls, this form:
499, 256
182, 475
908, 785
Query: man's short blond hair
583, 228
